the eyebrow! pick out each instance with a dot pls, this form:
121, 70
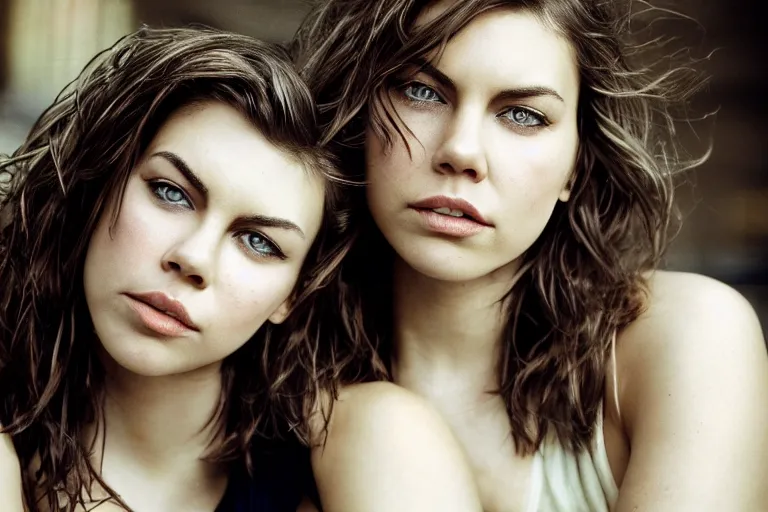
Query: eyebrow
507, 94
184, 169
264, 221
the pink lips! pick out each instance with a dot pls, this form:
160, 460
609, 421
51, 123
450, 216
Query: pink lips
162, 314
469, 224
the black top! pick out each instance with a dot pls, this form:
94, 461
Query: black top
280, 481
257, 494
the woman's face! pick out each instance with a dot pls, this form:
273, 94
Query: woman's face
213, 229
493, 147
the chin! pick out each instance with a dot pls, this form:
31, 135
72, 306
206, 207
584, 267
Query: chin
443, 261
141, 356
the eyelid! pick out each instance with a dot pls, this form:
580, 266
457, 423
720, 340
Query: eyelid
277, 251
404, 86
543, 119
154, 183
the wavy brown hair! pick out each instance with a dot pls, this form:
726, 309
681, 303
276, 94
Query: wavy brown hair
78, 156
583, 279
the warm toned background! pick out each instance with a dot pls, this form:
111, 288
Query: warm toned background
43, 43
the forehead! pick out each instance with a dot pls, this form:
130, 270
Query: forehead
508, 47
244, 173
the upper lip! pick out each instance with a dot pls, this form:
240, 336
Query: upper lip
453, 203
168, 305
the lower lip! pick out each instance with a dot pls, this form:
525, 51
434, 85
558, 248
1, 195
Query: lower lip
156, 320
459, 227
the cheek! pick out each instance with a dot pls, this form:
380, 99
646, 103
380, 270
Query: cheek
539, 173
380, 170
127, 241
391, 171
136, 243
248, 292
422, 132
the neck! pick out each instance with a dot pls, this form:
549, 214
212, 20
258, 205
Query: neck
158, 426
444, 330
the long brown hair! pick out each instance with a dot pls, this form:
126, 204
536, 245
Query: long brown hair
583, 278
78, 155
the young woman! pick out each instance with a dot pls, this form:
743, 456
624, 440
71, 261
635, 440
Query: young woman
518, 164
159, 224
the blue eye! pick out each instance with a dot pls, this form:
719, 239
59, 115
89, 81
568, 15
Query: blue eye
260, 245
524, 117
167, 193
419, 92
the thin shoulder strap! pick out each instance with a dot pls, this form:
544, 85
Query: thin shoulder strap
615, 374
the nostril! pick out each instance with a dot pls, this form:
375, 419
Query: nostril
185, 270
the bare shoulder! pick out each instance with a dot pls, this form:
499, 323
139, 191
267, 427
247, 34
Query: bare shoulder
699, 293
10, 476
364, 406
385, 413
378, 402
388, 449
693, 373
696, 329
688, 312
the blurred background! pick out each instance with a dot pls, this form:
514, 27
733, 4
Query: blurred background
44, 44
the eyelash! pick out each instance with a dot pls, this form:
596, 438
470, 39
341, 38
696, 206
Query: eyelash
275, 251
160, 190
538, 116
158, 186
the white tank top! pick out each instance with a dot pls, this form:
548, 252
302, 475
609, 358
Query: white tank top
563, 481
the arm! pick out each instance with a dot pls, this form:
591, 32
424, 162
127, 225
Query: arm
693, 401
388, 450
10, 477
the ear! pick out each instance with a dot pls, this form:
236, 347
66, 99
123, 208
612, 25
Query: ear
281, 313
565, 193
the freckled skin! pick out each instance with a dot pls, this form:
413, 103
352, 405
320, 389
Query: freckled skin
511, 158
169, 238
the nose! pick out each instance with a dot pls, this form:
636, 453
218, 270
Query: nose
193, 257
461, 150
